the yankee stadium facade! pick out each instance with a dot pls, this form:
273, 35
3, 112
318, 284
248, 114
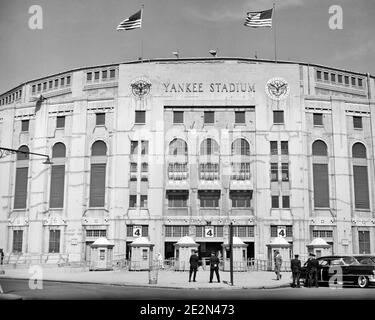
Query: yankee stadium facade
167, 148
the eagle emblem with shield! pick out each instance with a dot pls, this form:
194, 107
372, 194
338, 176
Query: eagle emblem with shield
277, 88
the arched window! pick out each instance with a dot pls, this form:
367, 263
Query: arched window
56, 196
359, 150
22, 170
178, 147
99, 148
241, 147
98, 174
319, 148
209, 146
360, 177
320, 174
58, 150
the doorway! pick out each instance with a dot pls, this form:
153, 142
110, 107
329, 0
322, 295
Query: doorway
205, 249
250, 250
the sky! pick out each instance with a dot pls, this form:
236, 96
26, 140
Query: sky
78, 33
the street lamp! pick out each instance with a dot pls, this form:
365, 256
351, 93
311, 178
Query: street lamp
6, 151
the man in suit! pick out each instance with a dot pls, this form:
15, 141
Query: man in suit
313, 265
214, 267
295, 266
1, 256
278, 262
193, 265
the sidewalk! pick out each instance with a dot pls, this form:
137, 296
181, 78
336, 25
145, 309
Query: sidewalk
166, 279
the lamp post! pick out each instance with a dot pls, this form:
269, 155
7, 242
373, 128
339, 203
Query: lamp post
6, 151
231, 253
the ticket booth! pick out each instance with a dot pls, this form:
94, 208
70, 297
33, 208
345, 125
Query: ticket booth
319, 247
183, 250
101, 257
141, 254
239, 255
284, 247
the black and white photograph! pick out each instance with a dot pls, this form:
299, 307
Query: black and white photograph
187, 157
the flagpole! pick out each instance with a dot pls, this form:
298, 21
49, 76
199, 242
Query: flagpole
142, 33
274, 30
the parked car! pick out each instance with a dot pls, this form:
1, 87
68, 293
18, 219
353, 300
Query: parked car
345, 269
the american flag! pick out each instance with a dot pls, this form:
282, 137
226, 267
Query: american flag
133, 22
259, 19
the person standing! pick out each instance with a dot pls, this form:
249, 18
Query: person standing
1, 256
313, 274
278, 262
193, 265
295, 266
214, 267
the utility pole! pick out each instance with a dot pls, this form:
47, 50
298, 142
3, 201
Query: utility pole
231, 253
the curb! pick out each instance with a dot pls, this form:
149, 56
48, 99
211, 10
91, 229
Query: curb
157, 286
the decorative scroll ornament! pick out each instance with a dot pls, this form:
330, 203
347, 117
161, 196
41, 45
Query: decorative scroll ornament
277, 88
141, 88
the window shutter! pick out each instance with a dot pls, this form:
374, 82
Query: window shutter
56, 199
321, 185
21, 188
361, 191
97, 185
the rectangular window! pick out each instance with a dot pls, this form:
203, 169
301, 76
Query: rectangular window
104, 74
333, 77
44, 85
318, 119
89, 76
62, 81
178, 117
240, 199
176, 231
56, 199
20, 195
68, 80
96, 75
274, 172
133, 167
275, 202
96, 233
39, 87
129, 231
60, 122
288, 231
319, 75
144, 147
143, 201
325, 76
25, 125
357, 122
339, 78
112, 73
56, 83
50, 84
144, 167
346, 79
239, 117
364, 242
17, 241
140, 117
97, 185
243, 231
100, 119
286, 202
209, 117
284, 148
285, 171
273, 147
322, 233
278, 117
353, 81
33, 88
360, 82
133, 147
321, 186
54, 241
177, 200
132, 201
361, 190
209, 199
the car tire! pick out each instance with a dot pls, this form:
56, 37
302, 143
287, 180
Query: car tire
362, 281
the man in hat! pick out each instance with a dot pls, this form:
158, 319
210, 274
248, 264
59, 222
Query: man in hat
1, 256
193, 265
312, 268
214, 267
278, 262
295, 266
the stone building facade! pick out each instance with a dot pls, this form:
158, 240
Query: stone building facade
167, 148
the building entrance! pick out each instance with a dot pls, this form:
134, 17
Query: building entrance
205, 249
250, 250
169, 250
